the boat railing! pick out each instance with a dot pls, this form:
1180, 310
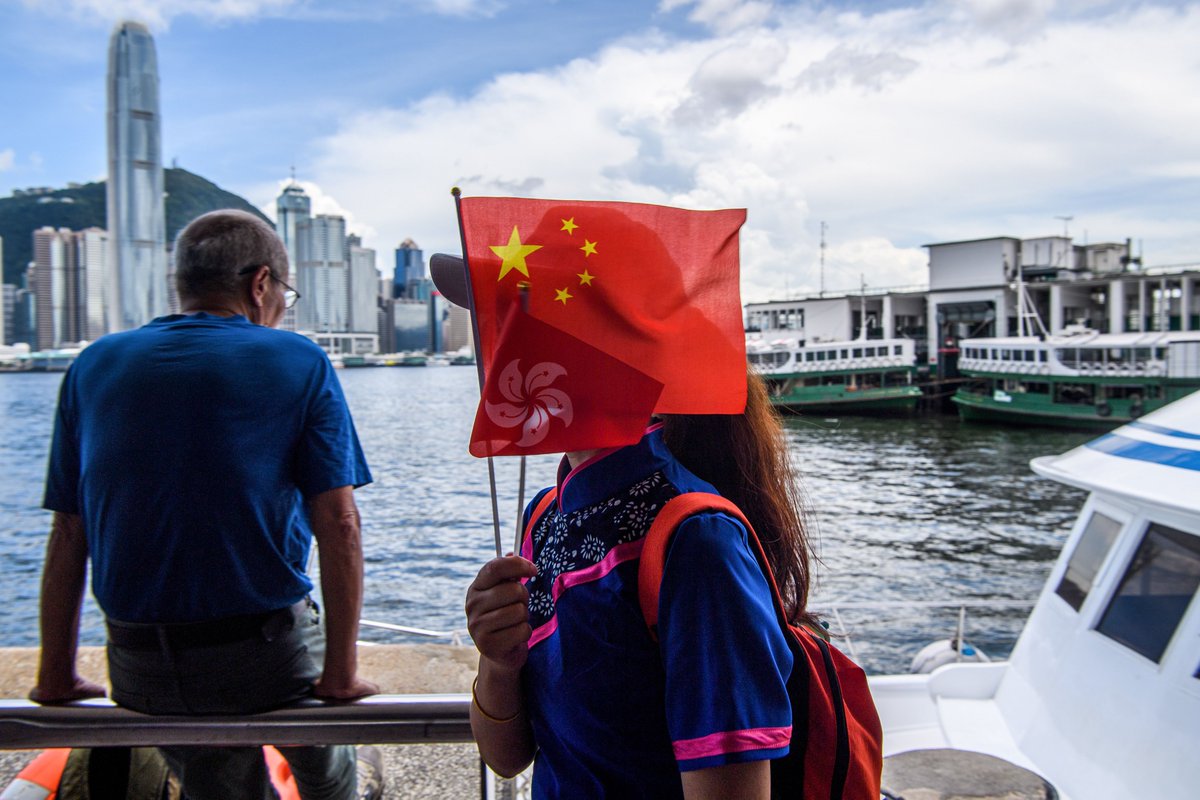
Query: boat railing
456, 637
833, 611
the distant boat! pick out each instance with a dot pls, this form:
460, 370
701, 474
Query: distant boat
863, 376
1080, 378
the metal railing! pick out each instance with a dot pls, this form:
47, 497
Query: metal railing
379, 719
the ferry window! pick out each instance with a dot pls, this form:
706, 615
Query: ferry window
1029, 355
1142, 353
845, 354
858, 352
897, 350
993, 353
1006, 354
1085, 561
1160, 353
1041, 355
809, 356
1154, 592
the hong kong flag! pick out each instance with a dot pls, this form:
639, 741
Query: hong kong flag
651, 286
549, 392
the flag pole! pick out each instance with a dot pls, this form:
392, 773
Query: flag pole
462, 234
523, 298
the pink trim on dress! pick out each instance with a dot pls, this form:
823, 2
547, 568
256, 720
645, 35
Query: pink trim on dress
618, 555
716, 744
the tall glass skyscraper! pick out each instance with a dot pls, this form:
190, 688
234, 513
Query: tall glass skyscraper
137, 260
292, 207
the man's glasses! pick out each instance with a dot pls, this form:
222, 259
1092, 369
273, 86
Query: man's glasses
290, 295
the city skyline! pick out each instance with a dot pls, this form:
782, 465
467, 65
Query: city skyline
895, 123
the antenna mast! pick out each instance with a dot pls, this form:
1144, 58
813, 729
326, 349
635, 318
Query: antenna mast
822, 259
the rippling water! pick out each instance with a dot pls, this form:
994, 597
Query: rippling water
906, 510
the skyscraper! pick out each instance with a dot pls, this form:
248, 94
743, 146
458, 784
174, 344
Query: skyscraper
291, 208
56, 289
136, 224
321, 274
410, 271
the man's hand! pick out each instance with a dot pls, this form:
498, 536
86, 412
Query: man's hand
344, 690
78, 689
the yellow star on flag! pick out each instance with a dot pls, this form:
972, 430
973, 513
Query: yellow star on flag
585, 278
562, 295
589, 248
513, 254
569, 226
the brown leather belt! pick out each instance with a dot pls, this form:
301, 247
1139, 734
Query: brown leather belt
184, 635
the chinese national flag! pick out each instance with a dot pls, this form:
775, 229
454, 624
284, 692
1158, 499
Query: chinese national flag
549, 392
654, 287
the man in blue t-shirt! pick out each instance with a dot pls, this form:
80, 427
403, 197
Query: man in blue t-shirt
194, 460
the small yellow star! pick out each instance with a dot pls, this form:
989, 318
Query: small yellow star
585, 278
513, 254
562, 295
569, 226
589, 248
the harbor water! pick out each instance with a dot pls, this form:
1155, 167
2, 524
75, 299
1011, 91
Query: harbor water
906, 512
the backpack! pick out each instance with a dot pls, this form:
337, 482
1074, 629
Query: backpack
837, 741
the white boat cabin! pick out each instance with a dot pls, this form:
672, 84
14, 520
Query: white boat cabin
791, 356
1084, 352
1101, 696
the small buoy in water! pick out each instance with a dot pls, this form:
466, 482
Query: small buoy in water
945, 651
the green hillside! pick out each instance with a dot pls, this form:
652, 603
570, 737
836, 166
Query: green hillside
188, 196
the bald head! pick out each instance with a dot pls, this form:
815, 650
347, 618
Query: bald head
214, 247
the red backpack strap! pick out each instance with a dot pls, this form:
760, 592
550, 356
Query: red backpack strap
543, 503
658, 540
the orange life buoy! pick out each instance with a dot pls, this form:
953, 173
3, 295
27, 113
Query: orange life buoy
40, 777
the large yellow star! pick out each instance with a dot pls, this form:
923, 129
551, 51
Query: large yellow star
569, 226
513, 254
585, 278
589, 248
562, 295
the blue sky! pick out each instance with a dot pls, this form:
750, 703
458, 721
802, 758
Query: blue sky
896, 123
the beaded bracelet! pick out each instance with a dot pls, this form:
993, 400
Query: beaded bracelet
479, 708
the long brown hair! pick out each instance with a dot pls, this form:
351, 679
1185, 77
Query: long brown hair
745, 457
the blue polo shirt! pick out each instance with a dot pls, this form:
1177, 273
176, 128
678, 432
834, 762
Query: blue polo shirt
188, 447
614, 713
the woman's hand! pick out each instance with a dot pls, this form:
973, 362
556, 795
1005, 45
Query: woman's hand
498, 612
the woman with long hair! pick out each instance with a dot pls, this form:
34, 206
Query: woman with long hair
569, 672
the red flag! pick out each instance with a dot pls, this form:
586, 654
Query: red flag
653, 286
549, 392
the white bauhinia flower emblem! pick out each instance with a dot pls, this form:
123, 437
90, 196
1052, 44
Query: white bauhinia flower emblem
532, 401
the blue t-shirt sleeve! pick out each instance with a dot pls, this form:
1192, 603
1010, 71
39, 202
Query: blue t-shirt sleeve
62, 473
726, 659
329, 454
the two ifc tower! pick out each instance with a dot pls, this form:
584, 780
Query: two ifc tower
136, 287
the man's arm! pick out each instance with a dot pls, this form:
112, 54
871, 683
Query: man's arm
335, 525
63, 580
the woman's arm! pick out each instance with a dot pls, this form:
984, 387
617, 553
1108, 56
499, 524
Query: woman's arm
748, 781
498, 620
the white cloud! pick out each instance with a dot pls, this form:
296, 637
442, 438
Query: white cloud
7, 159
898, 129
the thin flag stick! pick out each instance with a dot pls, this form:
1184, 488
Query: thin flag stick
462, 234
523, 289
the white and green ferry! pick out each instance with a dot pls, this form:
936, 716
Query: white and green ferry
863, 376
1079, 378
